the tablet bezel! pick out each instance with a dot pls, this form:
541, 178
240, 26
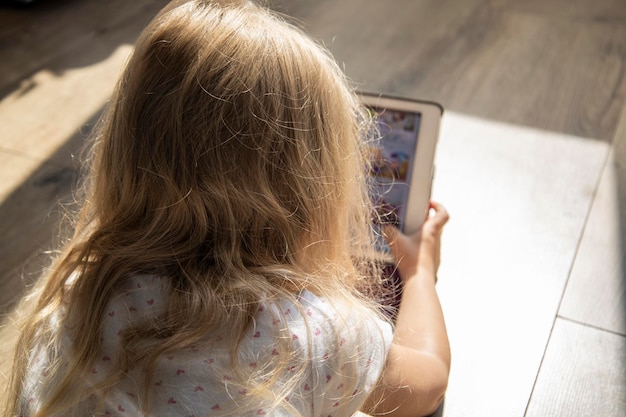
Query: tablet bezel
422, 170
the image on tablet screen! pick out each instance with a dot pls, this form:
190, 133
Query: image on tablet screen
392, 160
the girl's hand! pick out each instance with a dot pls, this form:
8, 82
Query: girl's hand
419, 252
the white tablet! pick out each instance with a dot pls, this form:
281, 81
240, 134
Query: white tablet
403, 156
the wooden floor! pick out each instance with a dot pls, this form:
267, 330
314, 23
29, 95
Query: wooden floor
531, 164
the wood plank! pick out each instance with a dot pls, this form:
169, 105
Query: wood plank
596, 291
46, 118
518, 199
29, 224
28, 192
486, 59
38, 121
33, 38
583, 374
53, 105
14, 169
605, 11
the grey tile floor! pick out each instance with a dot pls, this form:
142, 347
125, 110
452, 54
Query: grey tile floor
531, 165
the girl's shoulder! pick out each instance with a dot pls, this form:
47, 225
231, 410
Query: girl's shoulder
344, 346
324, 323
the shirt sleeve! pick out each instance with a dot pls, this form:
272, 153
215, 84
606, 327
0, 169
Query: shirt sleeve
348, 352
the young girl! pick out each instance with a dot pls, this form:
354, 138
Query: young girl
224, 231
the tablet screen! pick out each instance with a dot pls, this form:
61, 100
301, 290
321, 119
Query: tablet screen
393, 161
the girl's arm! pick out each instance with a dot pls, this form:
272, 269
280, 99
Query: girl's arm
415, 377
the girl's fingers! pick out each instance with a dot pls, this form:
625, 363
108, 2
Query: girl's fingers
434, 223
441, 216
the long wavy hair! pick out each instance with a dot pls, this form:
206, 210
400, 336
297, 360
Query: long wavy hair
230, 160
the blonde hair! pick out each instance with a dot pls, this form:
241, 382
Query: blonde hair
230, 160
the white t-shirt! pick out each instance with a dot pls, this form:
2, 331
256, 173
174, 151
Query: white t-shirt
198, 381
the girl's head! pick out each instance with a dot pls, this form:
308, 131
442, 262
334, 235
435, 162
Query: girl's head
232, 141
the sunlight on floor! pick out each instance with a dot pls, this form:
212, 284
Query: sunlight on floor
47, 109
519, 200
